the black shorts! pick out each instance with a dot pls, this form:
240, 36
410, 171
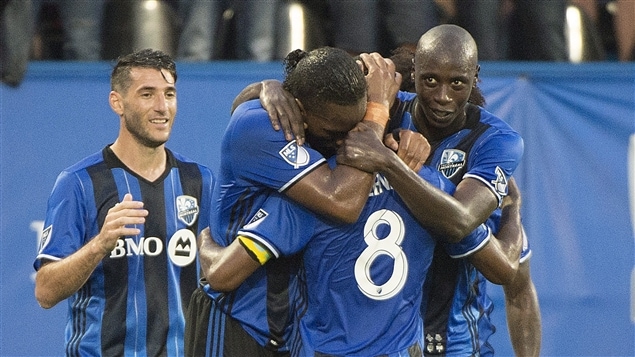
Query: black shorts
211, 332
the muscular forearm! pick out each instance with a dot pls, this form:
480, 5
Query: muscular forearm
339, 194
523, 314
510, 234
224, 268
439, 212
58, 280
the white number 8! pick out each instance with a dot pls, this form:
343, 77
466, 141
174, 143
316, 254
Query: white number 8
377, 247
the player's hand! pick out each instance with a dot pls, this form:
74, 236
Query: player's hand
283, 110
363, 149
382, 79
411, 147
120, 221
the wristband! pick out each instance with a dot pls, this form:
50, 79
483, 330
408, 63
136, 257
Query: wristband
377, 113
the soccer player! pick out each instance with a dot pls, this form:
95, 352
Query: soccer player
479, 153
119, 241
362, 280
468, 140
333, 96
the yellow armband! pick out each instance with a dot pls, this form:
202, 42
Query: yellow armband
255, 250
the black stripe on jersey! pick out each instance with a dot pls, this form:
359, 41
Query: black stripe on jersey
79, 320
156, 268
279, 273
300, 308
106, 196
443, 272
192, 185
238, 216
472, 294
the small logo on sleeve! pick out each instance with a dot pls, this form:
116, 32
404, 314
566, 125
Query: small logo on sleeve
294, 155
46, 234
261, 214
500, 183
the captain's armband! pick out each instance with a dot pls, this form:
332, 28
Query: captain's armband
255, 250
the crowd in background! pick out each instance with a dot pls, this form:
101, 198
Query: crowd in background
204, 30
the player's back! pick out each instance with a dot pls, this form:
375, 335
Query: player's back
364, 280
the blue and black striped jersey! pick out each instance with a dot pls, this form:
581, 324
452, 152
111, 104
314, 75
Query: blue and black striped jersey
457, 307
133, 303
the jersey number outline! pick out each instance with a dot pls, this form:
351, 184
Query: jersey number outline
390, 245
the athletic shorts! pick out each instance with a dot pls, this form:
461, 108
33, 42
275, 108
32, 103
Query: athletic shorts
209, 332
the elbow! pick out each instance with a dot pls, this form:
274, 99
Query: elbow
220, 281
44, 299
503, 276
454, 234
222, 284
455, 228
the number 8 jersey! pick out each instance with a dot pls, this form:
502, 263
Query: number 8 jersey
362, 281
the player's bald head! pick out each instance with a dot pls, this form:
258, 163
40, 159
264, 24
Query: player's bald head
447, 44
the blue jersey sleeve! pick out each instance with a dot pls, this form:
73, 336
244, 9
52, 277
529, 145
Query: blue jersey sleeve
65, 221
493, 222
280, 226
260, 155
470, 244
496, 155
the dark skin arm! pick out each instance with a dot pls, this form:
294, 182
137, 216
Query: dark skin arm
225, 268
342, 192
523, 313
498, 259
364, 150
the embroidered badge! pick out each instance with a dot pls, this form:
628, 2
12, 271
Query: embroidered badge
295, 155
258, 216
452, 161
45, 237
500, 183
187, 209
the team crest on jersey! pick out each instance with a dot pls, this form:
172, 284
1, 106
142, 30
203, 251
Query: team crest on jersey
500, 183
187, 209
295, 155
44, 239
452, 160
182, 247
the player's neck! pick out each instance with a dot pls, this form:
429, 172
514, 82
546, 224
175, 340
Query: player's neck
146, 162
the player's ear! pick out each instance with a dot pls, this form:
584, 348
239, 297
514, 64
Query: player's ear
302, 111
116, 102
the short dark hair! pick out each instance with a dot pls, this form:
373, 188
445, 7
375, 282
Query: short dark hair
147, 58
324, 75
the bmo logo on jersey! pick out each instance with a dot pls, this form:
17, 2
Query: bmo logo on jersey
181, 247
